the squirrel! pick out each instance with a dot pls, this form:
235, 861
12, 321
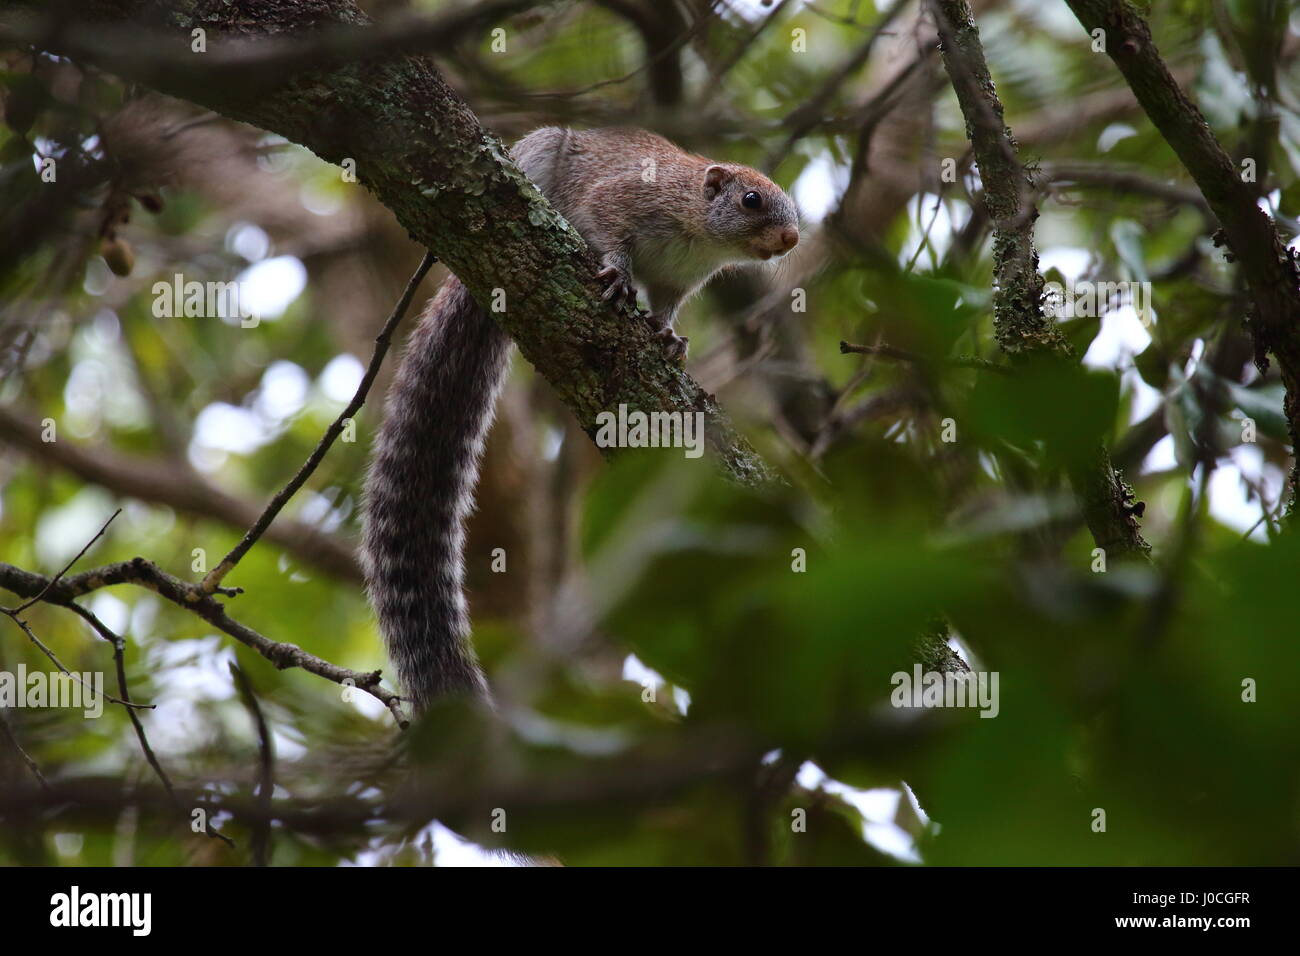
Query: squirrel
654, 215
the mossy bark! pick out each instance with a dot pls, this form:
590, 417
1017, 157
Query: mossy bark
420, 149
1023, 331
1271, 270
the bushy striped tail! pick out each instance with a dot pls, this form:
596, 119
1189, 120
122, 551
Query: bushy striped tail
420, 489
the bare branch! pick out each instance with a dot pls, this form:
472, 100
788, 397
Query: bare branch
26, 757
119, 660
809, 114
253, 63
382, 341
55, 580
41, 595
31, 635
1121, 179
191, 598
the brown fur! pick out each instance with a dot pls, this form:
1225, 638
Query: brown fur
670, 231
645, 207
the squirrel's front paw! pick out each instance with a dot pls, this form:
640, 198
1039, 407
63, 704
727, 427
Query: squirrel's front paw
618, 285
675, 345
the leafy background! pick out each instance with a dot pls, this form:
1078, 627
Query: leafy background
672, 691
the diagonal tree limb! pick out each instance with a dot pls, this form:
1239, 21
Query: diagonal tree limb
15, 614
903, 355
44, 649
803, 119
423, 153
7, 732
1270, 269
1022, 329
1019, 322
261, 845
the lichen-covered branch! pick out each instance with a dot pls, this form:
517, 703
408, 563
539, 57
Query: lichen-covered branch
419, 148
1270, 269
1022, 329
1018, 318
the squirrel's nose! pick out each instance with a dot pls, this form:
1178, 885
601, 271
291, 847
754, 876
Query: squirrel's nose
790, 237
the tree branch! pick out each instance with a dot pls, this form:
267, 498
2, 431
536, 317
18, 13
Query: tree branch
23, 755
382, 341
1022, 329
66, 568
421, 150
312, 36
1270, 269
193, 599
261, 846
1122, 179
119, 664
167, 482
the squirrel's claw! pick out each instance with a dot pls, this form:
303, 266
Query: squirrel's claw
618, 285
675, 345
662, 325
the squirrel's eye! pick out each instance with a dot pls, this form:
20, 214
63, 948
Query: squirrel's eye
752, 200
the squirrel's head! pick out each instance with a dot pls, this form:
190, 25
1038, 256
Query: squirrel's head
750, 211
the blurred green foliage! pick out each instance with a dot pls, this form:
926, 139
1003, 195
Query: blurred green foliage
780, 614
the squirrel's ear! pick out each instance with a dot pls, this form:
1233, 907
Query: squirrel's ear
715, 177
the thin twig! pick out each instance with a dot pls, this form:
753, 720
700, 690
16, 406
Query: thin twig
59, 664
1121, 179
923, 242
119, 647
801, 120
716, 73
266, 767
902, 355
40, 596
68, 567
188, 596
680, 41
215, 576
119, 662
26, 758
